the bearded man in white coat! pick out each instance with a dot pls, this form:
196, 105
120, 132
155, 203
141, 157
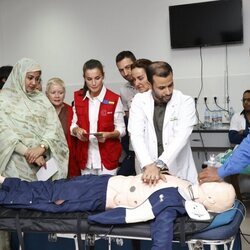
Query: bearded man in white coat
160, 124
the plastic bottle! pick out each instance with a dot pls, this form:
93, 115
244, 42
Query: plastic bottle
207, 122
212, 160
214, 119
210, 163
219, 119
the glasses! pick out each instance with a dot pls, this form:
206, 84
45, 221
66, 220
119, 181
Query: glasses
245, 100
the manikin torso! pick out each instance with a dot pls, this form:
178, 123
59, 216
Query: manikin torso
132, 191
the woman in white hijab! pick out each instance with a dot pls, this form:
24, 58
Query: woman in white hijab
30, 131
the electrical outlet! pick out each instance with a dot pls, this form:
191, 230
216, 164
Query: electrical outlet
196, 101
215, 99
206, 100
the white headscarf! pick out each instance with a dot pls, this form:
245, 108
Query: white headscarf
28, 119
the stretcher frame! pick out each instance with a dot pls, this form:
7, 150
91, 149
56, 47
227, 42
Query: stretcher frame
193, 244
75, 226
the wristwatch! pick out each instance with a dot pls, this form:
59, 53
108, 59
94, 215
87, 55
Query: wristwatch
160, 164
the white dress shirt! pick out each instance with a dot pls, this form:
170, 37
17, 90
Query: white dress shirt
238, 122
127, 92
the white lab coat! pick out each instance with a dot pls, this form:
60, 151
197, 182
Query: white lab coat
178, 124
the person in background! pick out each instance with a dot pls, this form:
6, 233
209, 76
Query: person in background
161, 121
124, 60
97, 123
141, 84
240, 122
139, 75
4, 74
239, 129
55, 91
30, 131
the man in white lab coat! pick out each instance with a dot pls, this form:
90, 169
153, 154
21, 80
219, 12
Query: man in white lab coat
160, 124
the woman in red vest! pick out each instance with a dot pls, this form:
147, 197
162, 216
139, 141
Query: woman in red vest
97, 123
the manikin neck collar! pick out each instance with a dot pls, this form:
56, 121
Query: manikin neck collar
193, 192
189, 193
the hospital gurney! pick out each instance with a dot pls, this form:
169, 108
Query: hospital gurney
222, 230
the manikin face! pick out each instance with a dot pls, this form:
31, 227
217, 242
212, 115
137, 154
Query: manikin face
56, 94
124, 67
246, 102
32, 80
216, 196
162, 88
140, 80
94, 81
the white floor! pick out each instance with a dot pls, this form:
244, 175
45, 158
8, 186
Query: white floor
245, 227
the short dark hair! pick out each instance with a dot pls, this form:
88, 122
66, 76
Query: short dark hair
4, 74
141, 63
158, 68
125, 54
246, 91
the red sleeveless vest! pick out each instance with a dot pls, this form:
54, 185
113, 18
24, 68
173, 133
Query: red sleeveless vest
111, 149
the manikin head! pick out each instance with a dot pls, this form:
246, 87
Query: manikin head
215, 196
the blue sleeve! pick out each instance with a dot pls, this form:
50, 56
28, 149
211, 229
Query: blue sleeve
238, 161
245, 133
235, 137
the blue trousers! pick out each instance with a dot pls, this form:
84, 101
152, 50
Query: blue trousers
82, 193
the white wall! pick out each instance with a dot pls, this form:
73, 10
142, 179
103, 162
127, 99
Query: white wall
62, 34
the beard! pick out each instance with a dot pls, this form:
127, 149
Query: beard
161, 99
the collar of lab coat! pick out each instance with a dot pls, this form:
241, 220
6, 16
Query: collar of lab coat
149, 106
